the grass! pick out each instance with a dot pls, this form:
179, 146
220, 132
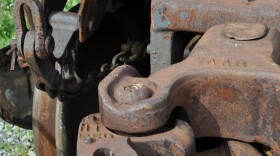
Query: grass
7, 27
70, 4
15, 141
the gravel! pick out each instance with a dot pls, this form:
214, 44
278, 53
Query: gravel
15, 141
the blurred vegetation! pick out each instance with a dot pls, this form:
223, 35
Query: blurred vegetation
15, 141
6, 23
70, 4
7, 28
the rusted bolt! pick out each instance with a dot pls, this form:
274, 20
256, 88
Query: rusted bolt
245, 31
132, 93
88, 140
133, 87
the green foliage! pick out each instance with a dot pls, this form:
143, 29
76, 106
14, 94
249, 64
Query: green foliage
71, 3
15, 141
7, 28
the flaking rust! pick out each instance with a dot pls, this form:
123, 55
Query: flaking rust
229, 84
172, 16
95, 139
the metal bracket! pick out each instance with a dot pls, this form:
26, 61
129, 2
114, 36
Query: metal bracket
171, 16
95, 139
228, 88
47, 52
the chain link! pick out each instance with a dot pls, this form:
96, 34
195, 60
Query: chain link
131, 52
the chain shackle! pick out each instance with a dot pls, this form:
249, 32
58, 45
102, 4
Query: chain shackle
36, 20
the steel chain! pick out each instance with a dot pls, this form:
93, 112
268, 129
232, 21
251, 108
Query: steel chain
131, 52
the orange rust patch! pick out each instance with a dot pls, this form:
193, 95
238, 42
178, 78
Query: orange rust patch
166, 37
226, 94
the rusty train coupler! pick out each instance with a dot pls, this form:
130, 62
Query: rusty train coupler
227, 87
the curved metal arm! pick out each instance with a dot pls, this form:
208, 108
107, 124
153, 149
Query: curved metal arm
37, 17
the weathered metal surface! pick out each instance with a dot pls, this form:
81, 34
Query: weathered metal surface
64, 25
38, 19
15, 97
233, 148
228, 84
15, 94
56, 124
245, 31
95, 139
51, 46
61, 136
90, 15
171, 16
44, 110
200, 15
242, 149
49, 53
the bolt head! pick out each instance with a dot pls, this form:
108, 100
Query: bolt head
132, 93
245, 31
88, 140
